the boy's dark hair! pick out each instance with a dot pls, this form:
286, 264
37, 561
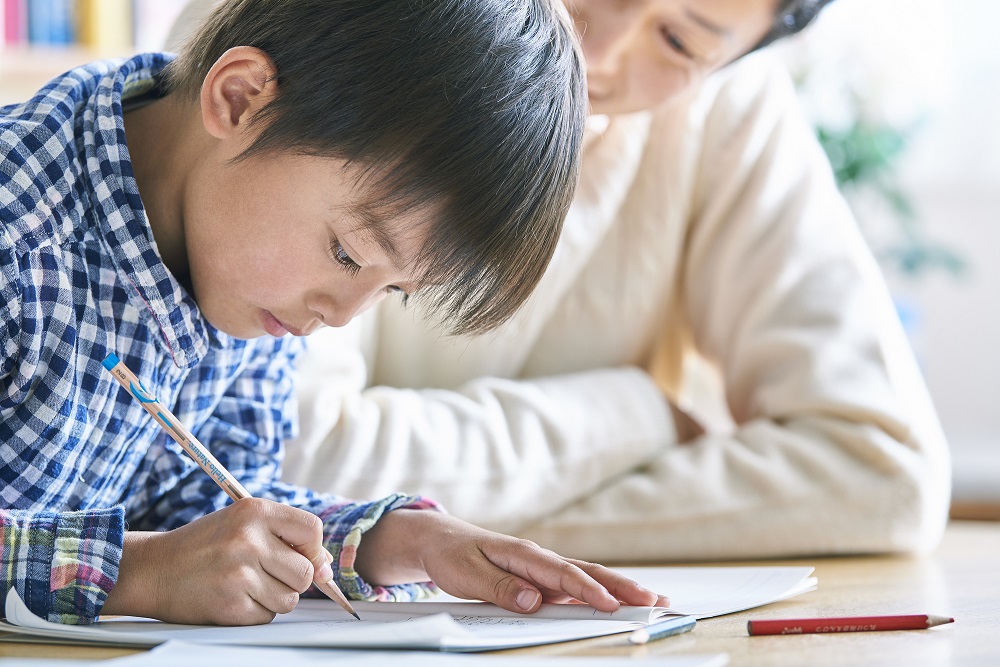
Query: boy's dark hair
791, 17
475, 107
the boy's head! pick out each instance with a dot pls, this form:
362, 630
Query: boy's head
427, 145
645, 53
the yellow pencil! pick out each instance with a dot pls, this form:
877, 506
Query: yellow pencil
198, 452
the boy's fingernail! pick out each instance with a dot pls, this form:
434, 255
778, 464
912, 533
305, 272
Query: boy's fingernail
325, 572
526, 599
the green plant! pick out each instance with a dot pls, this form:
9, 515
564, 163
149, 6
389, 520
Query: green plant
865, 157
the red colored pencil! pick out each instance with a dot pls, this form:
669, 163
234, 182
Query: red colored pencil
799, 626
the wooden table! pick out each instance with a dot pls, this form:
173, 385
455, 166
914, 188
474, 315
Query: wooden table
961, 579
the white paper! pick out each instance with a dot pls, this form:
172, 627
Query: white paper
322, 624
467, 626
704, 592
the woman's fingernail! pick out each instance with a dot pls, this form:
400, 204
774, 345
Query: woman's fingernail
325, 572
526, 599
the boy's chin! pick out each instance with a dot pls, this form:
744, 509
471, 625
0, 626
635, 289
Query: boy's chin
235, 328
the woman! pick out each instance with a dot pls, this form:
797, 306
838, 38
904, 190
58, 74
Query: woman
707, 232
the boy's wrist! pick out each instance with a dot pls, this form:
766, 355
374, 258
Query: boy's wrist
392, 552
136, 592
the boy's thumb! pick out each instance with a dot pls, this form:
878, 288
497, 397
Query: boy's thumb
515, 594
324, 572
528, 599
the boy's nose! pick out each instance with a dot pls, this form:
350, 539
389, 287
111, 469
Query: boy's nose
341, 312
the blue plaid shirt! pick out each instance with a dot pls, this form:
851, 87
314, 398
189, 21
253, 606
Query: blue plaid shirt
80, 277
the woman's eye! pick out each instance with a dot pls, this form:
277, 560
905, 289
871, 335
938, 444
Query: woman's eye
340, 256
674, 42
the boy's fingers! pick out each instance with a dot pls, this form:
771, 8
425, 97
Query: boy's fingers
288, 566
620, 586
250, 613
554, 573
320, 559
274, 595
508, 591
296, 527
304, 533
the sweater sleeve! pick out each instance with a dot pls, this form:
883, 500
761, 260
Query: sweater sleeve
500, 453
835, 446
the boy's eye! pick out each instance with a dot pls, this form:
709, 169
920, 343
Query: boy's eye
673, 41
340, 256
393, 289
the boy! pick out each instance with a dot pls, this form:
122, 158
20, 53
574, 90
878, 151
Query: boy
300, 160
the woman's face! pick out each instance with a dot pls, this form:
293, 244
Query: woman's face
642, 53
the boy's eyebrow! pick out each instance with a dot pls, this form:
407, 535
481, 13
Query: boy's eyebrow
369, 224
706, 24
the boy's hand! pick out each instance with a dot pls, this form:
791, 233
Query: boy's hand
469, 562
232, 567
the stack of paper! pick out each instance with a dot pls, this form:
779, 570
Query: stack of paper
449, 624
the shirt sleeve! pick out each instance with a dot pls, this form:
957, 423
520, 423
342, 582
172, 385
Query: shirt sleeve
62, 564
246, 433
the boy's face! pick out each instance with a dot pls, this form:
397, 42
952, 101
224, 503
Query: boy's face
642, 53
273, 248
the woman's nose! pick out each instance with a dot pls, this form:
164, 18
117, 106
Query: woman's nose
604, 46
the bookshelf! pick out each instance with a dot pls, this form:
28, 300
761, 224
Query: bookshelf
40, 39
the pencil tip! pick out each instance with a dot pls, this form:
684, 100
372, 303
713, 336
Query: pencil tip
355, 615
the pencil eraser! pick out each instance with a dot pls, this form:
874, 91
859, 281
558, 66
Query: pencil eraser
111, 361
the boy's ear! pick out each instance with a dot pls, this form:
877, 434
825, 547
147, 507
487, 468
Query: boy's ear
240, 83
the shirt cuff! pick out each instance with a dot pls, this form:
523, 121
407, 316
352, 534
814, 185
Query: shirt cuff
344, 535
70, 562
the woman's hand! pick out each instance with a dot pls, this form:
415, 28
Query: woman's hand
468, 562
235, 566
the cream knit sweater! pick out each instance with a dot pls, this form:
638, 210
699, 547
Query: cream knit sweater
711, 229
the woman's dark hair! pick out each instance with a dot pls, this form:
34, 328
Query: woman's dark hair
791, 17
473, 109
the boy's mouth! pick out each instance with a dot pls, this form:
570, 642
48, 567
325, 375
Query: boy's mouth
273, 325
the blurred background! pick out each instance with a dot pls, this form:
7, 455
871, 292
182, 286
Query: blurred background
905, 97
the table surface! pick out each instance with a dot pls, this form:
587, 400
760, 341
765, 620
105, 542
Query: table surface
960, 579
